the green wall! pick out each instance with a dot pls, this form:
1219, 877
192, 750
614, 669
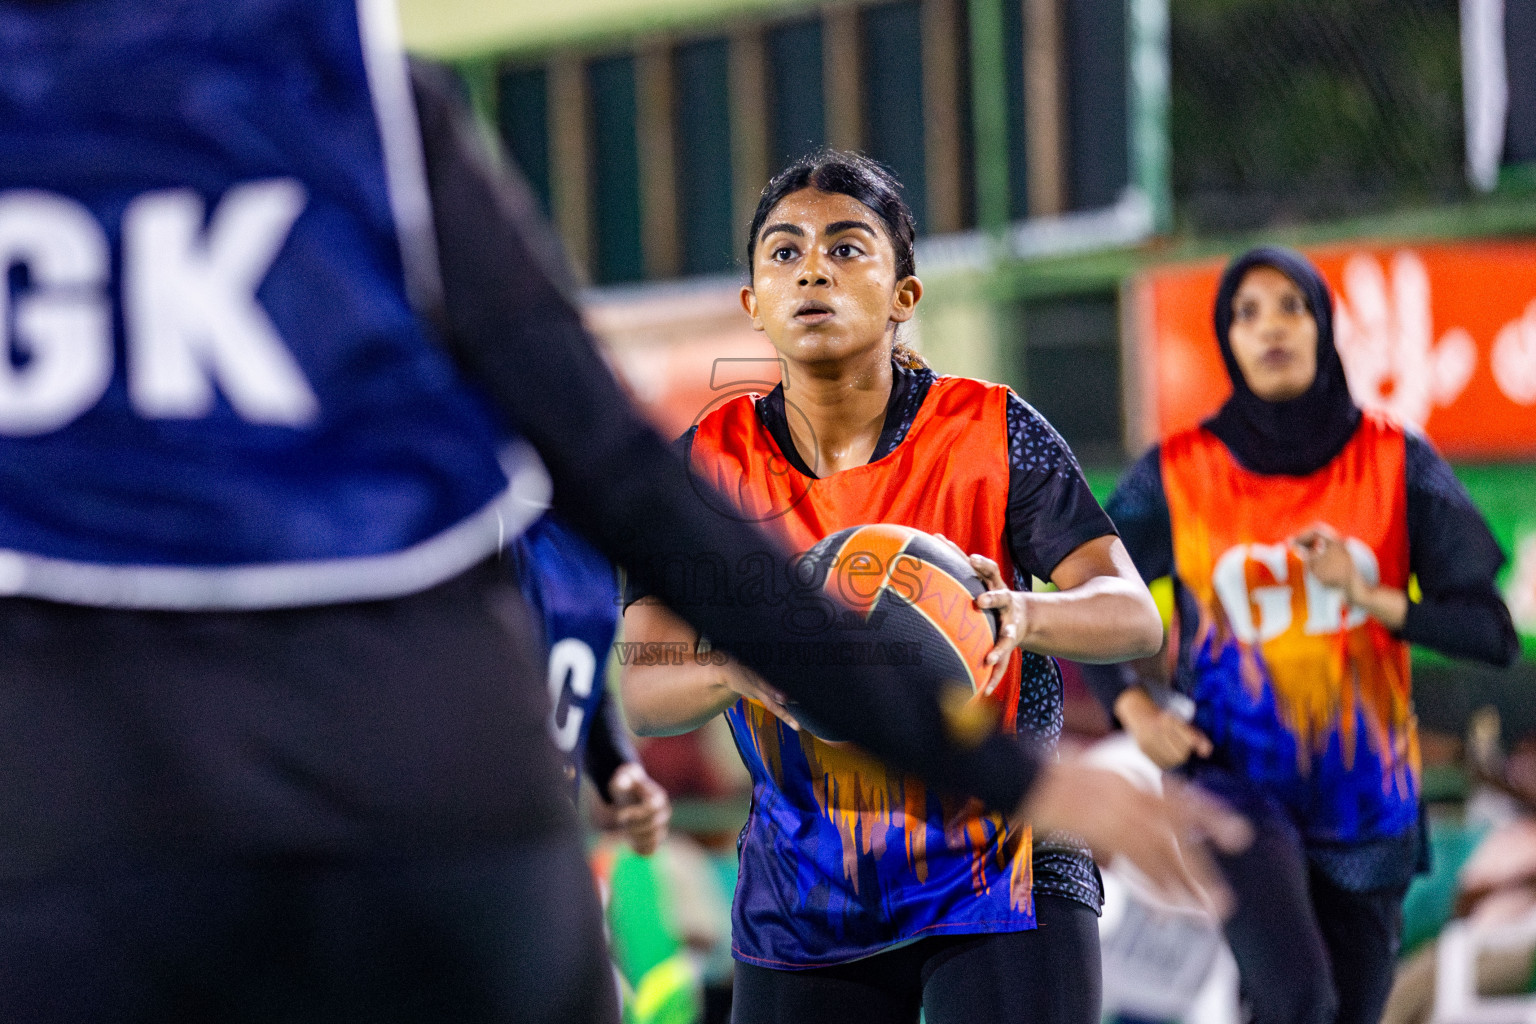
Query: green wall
460, 29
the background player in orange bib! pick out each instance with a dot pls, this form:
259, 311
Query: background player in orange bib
861, 890
1291, 523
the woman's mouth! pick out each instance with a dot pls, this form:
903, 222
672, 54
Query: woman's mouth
813, 313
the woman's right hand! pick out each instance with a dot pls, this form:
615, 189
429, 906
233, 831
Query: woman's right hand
750, 685
1163, 736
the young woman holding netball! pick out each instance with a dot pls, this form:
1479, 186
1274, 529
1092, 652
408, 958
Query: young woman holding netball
860, 891
1291, 523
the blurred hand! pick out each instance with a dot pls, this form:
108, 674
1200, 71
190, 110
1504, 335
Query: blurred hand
1167, 838
642, 807
1163, 736
1325, 556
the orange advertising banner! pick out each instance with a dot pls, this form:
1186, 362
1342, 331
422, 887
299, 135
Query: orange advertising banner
1442, 336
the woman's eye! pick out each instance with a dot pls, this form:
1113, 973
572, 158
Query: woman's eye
782, 253
1290, 305
845, 249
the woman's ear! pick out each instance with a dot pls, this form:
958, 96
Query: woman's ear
749, 303
909, 291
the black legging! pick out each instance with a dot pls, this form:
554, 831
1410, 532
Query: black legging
509, 934
1308, 952
1046, 976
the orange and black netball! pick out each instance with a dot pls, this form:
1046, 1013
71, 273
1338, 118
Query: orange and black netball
918, 592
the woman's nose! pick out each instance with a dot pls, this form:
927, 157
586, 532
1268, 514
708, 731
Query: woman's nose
1274, 325
811, 271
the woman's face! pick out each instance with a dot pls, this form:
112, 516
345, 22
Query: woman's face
824, 285
1273, 335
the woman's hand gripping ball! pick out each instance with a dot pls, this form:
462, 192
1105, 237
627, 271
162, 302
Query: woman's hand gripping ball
1011, 606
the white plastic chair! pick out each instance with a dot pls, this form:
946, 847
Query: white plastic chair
1161, 962
1456, 997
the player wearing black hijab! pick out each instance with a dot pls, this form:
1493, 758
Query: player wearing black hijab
1291, 523
1295, 436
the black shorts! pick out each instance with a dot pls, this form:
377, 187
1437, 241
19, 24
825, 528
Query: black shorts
509, 933
1046, 976
414, 723
351, 812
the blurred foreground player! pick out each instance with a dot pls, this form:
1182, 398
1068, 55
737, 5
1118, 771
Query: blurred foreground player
575, 593
269, 316
1291, 523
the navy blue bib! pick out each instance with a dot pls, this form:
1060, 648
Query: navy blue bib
573, 589
218, 389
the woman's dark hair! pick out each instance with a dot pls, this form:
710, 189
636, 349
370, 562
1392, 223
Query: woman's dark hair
855, 175
849, 174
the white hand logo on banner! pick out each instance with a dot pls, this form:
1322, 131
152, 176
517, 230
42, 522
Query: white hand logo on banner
1384, 334
1514, 358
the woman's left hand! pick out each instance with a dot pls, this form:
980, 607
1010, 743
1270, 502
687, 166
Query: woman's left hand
1011, 607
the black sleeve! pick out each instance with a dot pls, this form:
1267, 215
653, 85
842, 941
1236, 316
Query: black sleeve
516, 335
1454, 556
1139, 509
633, 590
1051, 511
608, 744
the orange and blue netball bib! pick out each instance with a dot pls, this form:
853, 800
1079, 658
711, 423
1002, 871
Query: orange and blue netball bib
841, 856
1302, 694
